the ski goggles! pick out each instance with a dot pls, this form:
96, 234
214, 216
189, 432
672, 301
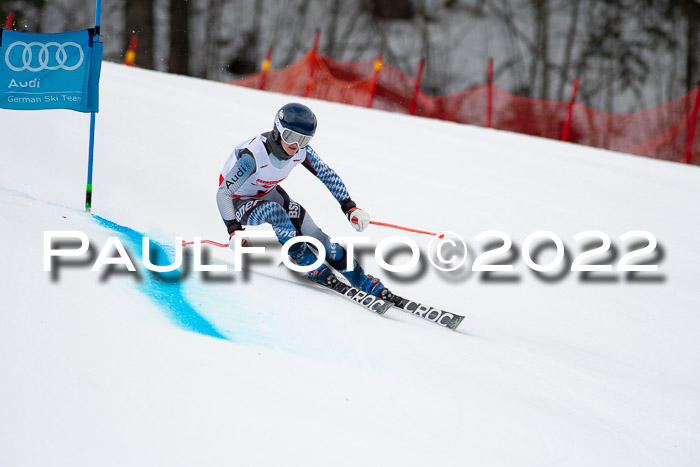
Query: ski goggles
292, 137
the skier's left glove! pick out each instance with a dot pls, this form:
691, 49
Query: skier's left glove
234, 227
358, 218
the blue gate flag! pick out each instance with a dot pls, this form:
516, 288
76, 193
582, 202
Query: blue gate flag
50, 71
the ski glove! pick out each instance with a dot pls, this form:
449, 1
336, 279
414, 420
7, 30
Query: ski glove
358, 218
234, 227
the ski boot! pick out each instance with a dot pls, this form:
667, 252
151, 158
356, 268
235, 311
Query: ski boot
303, 256
368, 283
324, 275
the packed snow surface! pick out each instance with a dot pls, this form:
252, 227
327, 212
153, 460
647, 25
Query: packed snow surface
112, 367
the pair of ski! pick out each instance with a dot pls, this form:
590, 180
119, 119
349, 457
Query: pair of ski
379, 306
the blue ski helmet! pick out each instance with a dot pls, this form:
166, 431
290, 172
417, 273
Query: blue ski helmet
294, 123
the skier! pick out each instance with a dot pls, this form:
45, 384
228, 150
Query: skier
249, 194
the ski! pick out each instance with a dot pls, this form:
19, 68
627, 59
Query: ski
336, 286
355, 295
441, 317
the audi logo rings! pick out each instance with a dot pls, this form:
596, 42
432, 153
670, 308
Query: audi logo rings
43, 56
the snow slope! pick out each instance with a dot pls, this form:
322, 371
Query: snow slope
118, 368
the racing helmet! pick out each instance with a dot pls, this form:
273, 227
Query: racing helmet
294, 123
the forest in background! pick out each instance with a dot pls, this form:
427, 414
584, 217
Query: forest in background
628, 54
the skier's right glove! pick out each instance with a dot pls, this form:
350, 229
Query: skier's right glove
234, 227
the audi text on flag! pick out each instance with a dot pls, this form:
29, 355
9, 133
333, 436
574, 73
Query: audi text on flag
49, 71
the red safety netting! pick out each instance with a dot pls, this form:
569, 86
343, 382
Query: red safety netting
661, 132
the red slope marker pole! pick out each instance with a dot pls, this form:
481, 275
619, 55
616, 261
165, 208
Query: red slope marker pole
9, 20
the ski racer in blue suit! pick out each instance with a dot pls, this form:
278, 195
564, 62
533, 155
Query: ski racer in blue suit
249, 194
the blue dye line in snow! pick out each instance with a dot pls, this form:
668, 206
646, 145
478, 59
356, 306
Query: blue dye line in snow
164, 288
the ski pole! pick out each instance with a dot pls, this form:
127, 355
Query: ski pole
384, 224
222, 245
244, 242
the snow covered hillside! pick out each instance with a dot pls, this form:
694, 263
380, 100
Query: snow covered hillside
554, 368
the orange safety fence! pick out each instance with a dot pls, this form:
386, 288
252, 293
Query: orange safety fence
667, 132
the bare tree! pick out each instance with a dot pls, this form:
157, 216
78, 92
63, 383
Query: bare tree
27, 13
246, 56
295, 35
540, 57
692, 13
569, 48
331, 31
519, 46
390, 9
179, 57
